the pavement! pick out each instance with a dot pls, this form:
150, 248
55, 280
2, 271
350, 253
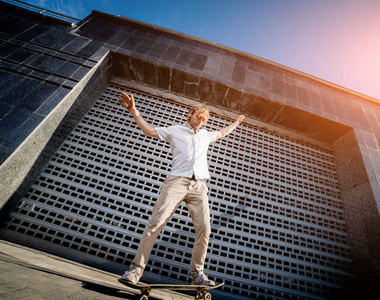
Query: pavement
26, 273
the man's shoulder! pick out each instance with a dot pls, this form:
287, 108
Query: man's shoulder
170, 129
174, 126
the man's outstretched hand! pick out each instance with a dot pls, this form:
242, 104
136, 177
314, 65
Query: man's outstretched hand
240, 119
127, 101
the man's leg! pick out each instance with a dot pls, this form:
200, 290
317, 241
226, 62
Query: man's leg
198, 206
171, 195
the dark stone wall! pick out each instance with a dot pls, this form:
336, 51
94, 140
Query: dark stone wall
19, 172
226, 96
40, 62
361, 213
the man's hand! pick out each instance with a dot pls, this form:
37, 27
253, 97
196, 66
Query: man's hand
127, 101
240, 119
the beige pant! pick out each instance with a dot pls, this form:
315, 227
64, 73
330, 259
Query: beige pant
173, 192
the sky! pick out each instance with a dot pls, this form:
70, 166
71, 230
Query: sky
335, 40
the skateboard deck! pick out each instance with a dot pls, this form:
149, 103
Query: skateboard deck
202, 290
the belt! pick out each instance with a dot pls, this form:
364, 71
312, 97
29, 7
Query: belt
193, 178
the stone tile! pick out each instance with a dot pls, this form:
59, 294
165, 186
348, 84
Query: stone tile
144, 46
358, 115
67, 69
49, 38
8, 81
7, 49
291, 92
100, 53
89, 29
171, 54
23, 131
303, 96
32, 32
14, 26
158, 50
226, 67
5, 152
76, 45
369, 139
315, 100
373, 120
20, 55
105, 34
131, 42
41, 75
90, 49
338, 107
198, 62
117, 39
51, 64
5, 108
53, 101
80, 73
63, 40
327, 104
36, 61
38, 96
279, 88
239, 72
11, 122
265, 83
2, 73
213, 63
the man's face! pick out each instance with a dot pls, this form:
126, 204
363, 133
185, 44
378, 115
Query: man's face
196, 120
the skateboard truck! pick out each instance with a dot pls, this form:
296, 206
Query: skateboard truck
202, 294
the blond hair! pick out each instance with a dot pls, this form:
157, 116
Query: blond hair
200, 110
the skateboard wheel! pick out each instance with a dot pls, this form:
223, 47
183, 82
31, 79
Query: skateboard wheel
144, 297
207, 296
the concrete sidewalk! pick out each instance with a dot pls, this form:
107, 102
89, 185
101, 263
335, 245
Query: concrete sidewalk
27, 273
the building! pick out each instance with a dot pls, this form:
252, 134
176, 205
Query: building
294, 192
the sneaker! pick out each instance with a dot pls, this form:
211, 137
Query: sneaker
132, 276
199, 278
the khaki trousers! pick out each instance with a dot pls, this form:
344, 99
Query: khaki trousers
173, 192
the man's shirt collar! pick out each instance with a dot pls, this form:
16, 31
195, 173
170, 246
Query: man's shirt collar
187, 125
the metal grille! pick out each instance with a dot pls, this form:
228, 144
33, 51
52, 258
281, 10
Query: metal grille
277, 219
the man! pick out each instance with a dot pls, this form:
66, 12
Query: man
186, 182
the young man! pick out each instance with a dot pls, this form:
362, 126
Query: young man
186, 182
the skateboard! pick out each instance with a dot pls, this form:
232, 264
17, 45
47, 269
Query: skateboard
202, 290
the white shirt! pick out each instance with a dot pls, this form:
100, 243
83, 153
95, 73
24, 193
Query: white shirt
189, 149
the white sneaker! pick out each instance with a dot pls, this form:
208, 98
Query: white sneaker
132, 276
199, 278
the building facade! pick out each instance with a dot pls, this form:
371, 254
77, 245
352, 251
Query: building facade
294, 194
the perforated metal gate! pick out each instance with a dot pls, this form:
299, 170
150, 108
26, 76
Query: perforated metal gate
277, 219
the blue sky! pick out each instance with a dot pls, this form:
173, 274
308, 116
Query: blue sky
335, 40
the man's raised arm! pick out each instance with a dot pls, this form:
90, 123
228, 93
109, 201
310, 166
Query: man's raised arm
129, 103
227, 130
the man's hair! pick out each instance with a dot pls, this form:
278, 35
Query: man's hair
199, 110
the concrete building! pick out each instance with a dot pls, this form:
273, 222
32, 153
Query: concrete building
294, 192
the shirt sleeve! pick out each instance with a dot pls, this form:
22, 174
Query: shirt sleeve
164, 133
212, 136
